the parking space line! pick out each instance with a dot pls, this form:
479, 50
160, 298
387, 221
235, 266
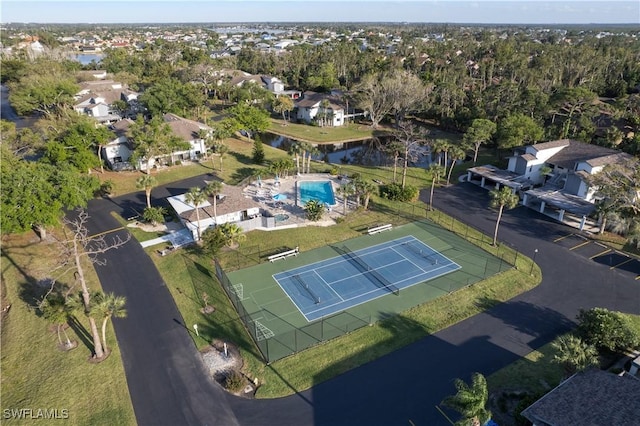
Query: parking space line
622, 263
580, 245
562, 238
106, 232
600, 254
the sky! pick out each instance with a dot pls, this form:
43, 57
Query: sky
416, 11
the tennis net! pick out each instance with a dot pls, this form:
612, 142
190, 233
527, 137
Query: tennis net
305, 287
373, 275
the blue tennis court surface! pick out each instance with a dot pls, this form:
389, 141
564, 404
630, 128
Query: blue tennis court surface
352, 278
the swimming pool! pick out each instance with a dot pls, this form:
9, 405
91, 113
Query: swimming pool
321, 190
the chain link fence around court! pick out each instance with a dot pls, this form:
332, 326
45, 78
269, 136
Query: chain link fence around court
407, 212
275, 337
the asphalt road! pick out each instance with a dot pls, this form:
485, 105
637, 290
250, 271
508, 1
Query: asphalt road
165, 374
167, 380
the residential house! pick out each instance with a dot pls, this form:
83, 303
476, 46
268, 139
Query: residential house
96, 99
272, 84
592, 397
189, 131
117, 153
565, 189
232, 206
320, 107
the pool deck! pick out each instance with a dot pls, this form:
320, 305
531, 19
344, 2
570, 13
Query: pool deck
264, 191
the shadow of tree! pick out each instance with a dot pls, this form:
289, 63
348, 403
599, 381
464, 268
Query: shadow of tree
241, 158
530, 319
242, 173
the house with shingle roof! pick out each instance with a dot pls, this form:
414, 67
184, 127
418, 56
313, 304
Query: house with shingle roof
96, 99
565, 190
314, 106
232, 206
592, 397
118, 152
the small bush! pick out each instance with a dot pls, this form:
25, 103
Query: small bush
234, 381
154, 215
606, 329
333, 171
106, 188
395, 192
355, 176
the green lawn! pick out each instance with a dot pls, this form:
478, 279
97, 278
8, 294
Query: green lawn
35, 374
323, 135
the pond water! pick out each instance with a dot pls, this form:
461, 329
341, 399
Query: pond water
365, 152
86, 58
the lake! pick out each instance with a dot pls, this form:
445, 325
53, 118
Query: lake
86, 58
360, 152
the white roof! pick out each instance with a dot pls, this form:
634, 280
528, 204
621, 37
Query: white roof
180, 205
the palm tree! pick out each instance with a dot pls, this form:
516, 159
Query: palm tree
502, 198
146, 182
108, 306
314, 209
221, 149
455, 153
196, 197
470, 401
57, 312
232, 234
545, 172
213, 189
323, 111
346, 190
394, 148
207, 137
442, 146
296, 150
311, 150
434, 172
365, 189
574, 354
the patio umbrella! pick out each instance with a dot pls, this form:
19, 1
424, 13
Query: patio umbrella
277, 179
259, 181
279, 197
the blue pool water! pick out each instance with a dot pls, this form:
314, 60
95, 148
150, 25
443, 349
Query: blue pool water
321, 190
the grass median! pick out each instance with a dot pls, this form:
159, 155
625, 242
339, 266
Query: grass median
35, 374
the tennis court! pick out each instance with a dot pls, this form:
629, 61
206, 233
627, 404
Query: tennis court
300, 301
355, 277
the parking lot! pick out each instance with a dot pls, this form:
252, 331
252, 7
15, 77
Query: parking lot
600, 253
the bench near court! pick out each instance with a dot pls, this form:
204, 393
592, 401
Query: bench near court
283, 255
378, 229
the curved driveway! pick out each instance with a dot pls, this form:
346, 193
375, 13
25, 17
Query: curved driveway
165, 374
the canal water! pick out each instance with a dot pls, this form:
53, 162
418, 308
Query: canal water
367, 152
